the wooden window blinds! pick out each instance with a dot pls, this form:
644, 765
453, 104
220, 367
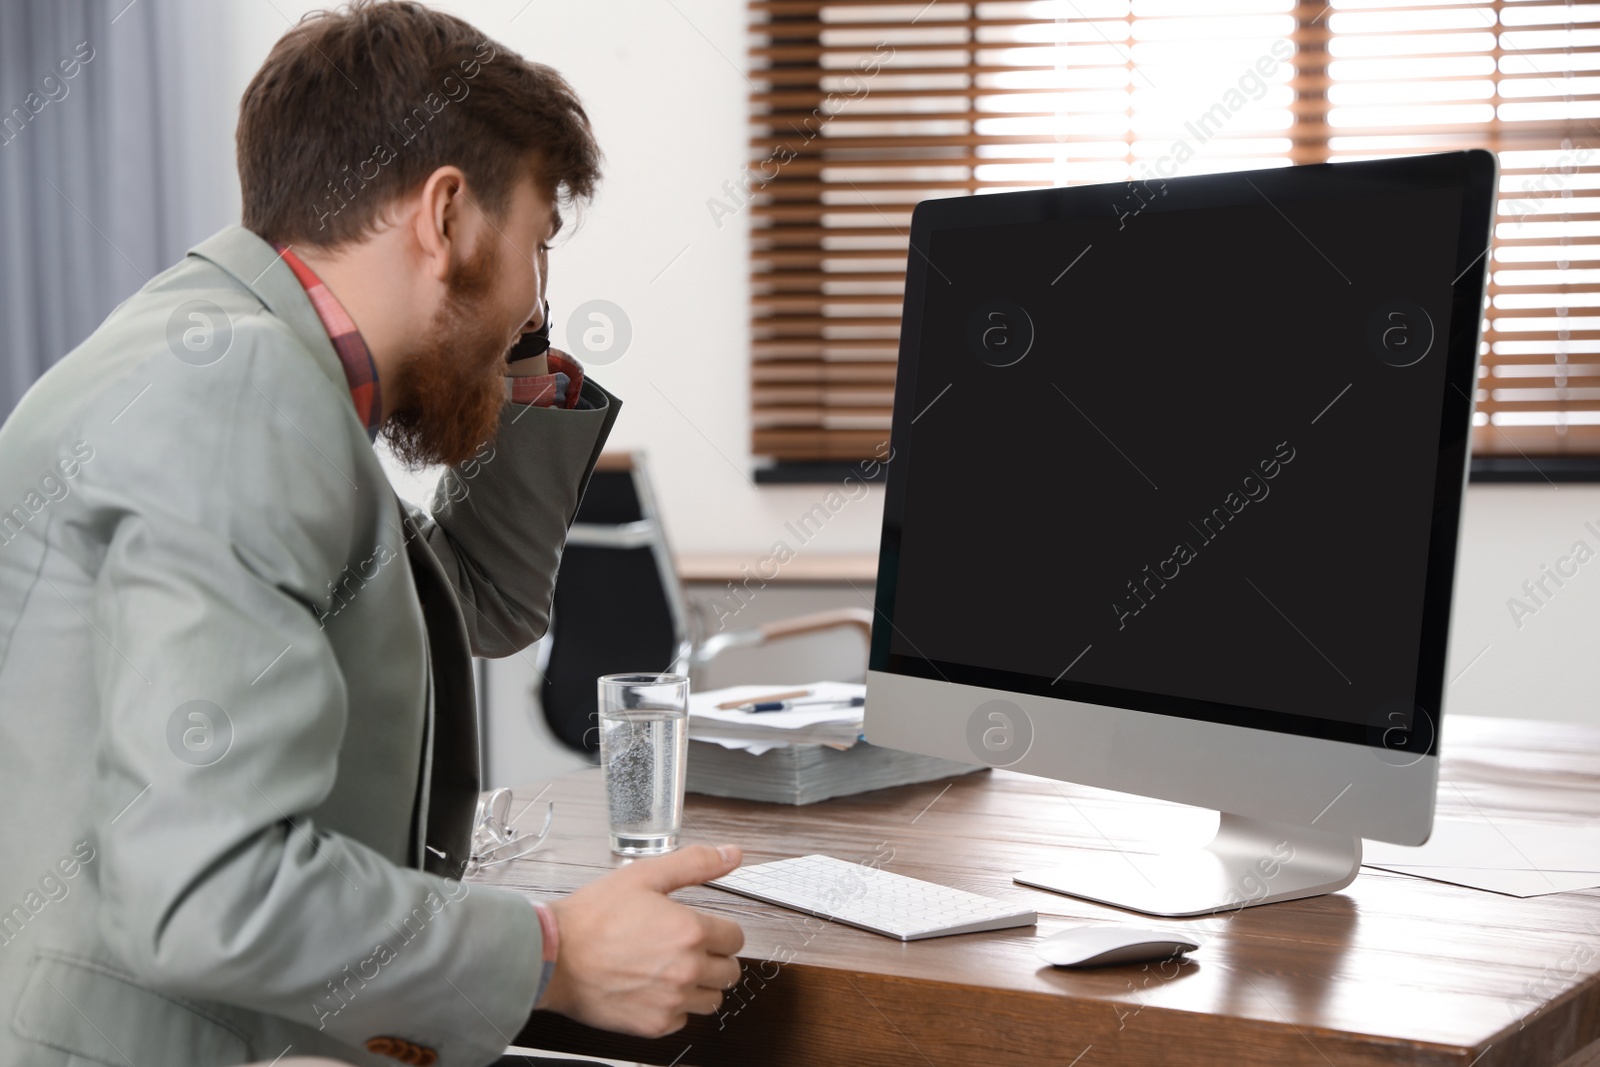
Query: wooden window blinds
861, 109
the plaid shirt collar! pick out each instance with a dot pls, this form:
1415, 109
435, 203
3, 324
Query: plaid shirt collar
355, 357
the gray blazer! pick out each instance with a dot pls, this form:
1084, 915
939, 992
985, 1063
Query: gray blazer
237, 727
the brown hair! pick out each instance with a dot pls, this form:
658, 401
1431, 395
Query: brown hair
355, 108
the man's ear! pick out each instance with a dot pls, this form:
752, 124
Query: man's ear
440, 222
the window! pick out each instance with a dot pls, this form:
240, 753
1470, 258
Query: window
862, 109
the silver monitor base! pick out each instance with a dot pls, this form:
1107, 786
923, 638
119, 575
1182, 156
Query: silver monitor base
1250, 861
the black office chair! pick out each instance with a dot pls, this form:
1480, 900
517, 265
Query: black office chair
619, 605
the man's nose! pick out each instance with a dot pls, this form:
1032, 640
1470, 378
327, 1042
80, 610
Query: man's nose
537, 321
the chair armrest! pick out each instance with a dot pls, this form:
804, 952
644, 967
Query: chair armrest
860, 618
718, 643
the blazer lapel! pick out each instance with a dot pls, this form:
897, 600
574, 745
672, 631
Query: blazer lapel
452, 778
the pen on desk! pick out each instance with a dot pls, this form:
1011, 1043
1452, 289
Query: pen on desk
734, 705
785, 705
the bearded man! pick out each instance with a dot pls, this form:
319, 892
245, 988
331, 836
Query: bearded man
237, 725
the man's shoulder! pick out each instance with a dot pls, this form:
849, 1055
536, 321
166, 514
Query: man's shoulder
194, 343
196, 316
194, 386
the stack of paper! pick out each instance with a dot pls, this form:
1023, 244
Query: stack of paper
805, 774
799, 756
756, 732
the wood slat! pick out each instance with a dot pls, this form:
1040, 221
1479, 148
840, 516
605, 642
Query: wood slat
841, 110
787, 190
780, 255
816, 279
808, 75
803, 98
792, 52
1535, 441
811, 167
896, 215
864, 373
817, 401
1540, 313
1589, 385
780, 236
1512, 362
797, 414
816, 7
813, 28
817, 302
818, 444
1491, 406
829, 352
1513, 240
844, 116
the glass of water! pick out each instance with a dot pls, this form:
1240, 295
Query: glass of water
644, 746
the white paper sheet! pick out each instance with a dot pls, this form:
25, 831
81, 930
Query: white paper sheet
1499, 856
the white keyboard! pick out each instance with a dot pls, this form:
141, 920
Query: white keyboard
884, 903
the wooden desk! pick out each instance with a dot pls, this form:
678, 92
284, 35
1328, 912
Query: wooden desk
1392, 970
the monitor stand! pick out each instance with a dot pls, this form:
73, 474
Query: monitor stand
1250, 861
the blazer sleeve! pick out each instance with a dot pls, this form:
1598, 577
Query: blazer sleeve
500, 519
223, 710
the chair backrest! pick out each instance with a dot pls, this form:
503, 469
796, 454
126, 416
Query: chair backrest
618, 606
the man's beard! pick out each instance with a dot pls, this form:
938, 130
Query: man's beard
453, 385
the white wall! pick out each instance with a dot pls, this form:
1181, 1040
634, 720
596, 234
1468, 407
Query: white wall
1540, 666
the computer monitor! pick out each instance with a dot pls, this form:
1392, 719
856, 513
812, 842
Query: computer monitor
1172, 505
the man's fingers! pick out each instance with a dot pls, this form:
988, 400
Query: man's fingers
723, 936
702, 1002
687, 866
720, 972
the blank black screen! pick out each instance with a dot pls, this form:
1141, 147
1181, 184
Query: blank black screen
1209, 477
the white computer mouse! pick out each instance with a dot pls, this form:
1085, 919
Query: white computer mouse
1103, 946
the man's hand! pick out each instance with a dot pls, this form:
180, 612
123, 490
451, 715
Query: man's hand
635, 962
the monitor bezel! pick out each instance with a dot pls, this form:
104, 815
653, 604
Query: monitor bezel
1474, 172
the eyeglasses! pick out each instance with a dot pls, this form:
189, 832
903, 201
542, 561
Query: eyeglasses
494, 841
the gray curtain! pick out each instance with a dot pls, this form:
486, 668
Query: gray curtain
108, 176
